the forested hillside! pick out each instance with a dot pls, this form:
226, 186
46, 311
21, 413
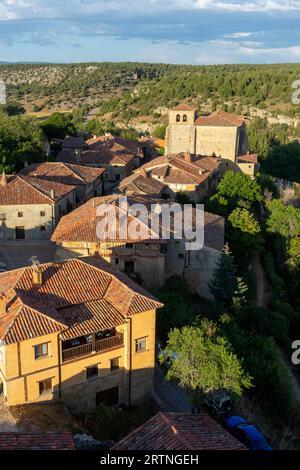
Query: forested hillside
144, 88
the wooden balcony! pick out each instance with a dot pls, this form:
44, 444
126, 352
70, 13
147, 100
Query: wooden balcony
93, 347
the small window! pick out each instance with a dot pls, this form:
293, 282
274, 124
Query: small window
129, 245
115, 363
91, 372
180, 255
116, 261
20, 214
140, 344
178, 118
41, 350
42, 213
45, 386
43, 228
184, 118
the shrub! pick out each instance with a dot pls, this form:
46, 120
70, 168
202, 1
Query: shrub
275, 280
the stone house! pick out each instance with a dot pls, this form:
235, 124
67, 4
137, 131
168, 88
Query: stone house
87, 181
218, 134
194, 175
76, 332
152, 257
31, 207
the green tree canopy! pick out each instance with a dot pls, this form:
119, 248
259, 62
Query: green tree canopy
20, 140
283, 220
224, 283
244, 232
202, 360
237, 187
58, 125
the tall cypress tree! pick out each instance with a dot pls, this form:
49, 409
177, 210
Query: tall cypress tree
224, 283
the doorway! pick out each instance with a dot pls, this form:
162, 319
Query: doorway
20, 233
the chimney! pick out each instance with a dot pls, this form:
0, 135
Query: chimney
37, 275
187, 157
52, 194
143, 173
3, 304
3, 179
77, 155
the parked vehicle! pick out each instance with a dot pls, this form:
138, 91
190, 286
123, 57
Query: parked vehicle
219, 403
247, 433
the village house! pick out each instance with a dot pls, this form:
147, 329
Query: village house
141, 183
218, 134
179, 431
76, 332
194, 175
153, 258
73, 143
116, 155
30, 207
88, 181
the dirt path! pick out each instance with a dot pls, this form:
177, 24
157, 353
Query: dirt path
262, 285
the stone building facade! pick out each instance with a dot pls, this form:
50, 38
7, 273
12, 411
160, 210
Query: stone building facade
154, 260
219, 134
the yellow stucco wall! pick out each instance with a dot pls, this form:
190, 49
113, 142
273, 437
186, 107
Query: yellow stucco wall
21, 372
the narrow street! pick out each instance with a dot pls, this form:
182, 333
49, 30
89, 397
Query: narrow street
171, 396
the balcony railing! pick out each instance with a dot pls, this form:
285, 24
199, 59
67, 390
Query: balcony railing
100, 345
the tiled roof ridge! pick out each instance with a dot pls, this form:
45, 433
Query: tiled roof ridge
24, 178
35, 305
68, 165
168, 421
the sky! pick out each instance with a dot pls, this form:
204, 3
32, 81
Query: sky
169, 31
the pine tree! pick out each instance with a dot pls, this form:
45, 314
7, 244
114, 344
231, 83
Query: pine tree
224, 283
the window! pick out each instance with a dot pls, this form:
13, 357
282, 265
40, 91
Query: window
163, 249
178, 118
129, 245
43, 228
140, 344
184, 118
42, 213
180, 255
45, 386
115, 363
41, 350
91, 372
20, 214
116, 261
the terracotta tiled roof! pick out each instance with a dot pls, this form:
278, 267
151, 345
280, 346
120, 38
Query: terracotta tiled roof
100, 156
64, 173
77, 296
221, 119
36, 441
71, 142
80, 225
141, 183
183, 107
116, 144
179, 431
248, 158
181, 168
21, 189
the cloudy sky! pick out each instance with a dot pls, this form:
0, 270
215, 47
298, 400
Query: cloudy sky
175, 31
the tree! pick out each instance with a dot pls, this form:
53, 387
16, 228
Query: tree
283, 220
20, 140
58, 125
160, 131
244, 232
203, 361
224, 283
236, 187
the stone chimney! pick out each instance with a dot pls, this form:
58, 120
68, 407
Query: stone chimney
144, 173
3, 179
52, 194
37, 275
187, 157
77, 155
3, 304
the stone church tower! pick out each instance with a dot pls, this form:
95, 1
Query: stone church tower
220, 134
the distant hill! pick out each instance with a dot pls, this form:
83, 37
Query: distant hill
140, 91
